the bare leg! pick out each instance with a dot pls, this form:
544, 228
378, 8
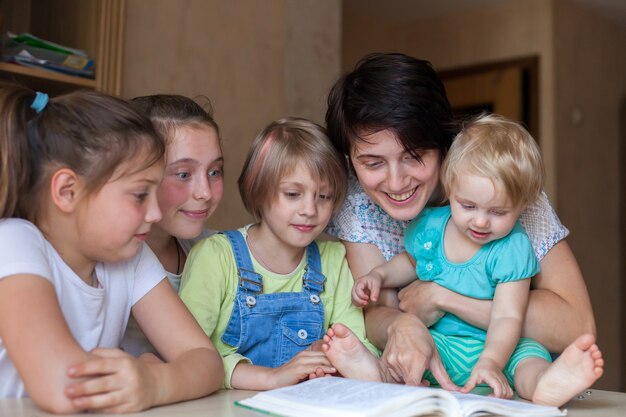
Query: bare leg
578, 367
349, 356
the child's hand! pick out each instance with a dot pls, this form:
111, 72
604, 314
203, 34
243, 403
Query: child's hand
317, 345
306, 364
117, 382
366, 289
487, 371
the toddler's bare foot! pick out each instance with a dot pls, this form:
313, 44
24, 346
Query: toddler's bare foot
578, 367
349, 356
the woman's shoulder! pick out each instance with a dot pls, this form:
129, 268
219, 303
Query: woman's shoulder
360, 220
543, 226
357, 205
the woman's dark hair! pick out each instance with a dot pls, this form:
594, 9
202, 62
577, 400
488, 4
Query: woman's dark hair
391, 91
88, 132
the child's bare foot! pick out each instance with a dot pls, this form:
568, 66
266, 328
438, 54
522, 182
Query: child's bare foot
578, 367
349, 356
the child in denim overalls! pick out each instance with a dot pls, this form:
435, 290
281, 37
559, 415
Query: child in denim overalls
267, 292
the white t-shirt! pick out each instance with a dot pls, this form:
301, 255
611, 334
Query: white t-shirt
135, 341
97, 317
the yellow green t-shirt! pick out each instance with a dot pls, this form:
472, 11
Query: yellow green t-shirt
210, 281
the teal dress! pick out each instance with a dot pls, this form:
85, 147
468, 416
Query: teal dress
508, 259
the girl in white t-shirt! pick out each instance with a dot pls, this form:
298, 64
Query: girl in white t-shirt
78, 181
191, 190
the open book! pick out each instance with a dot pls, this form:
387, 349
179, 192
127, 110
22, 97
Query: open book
342, 397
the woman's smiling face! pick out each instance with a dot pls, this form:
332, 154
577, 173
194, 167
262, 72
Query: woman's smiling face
396, 181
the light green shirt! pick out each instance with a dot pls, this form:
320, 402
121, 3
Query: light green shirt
209, 286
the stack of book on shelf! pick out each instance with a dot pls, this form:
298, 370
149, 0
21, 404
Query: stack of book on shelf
342, 397
31, 51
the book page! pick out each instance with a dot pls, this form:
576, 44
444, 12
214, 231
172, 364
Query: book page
474, 404
345, 397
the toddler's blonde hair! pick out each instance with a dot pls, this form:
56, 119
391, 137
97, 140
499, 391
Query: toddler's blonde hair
497, 148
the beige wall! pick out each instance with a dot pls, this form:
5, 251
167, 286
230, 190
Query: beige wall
256, 61
582, 76
590, 85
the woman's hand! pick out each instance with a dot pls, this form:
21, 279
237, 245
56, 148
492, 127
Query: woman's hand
117, 383
410, 351
421, 298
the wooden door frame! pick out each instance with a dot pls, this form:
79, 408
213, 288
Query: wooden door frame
529, 67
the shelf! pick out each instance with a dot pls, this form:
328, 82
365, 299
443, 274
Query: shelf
41, 74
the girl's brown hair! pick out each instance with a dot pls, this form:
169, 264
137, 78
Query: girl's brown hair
88, 132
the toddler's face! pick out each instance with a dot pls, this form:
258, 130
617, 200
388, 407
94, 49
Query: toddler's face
481, 209
193, 183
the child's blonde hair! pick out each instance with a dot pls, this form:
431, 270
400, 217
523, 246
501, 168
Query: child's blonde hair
275, 153
494, 147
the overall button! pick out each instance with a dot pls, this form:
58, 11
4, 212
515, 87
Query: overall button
302, 334
429, 266
314, 299
250, 301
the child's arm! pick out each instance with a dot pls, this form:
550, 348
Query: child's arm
38, 340
192, 366
505, 327
302, 366
399, 271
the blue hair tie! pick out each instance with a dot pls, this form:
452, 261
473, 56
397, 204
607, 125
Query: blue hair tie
40, 102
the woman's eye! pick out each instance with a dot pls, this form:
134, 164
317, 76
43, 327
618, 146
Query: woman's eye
371, 163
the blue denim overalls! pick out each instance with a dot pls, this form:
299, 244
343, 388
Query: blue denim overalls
270, 329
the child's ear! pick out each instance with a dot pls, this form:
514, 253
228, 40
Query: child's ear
65, 187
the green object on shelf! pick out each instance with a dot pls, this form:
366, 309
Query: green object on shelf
32, 40
30, 51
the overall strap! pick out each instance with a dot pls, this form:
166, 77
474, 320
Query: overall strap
248, 279
313, 277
